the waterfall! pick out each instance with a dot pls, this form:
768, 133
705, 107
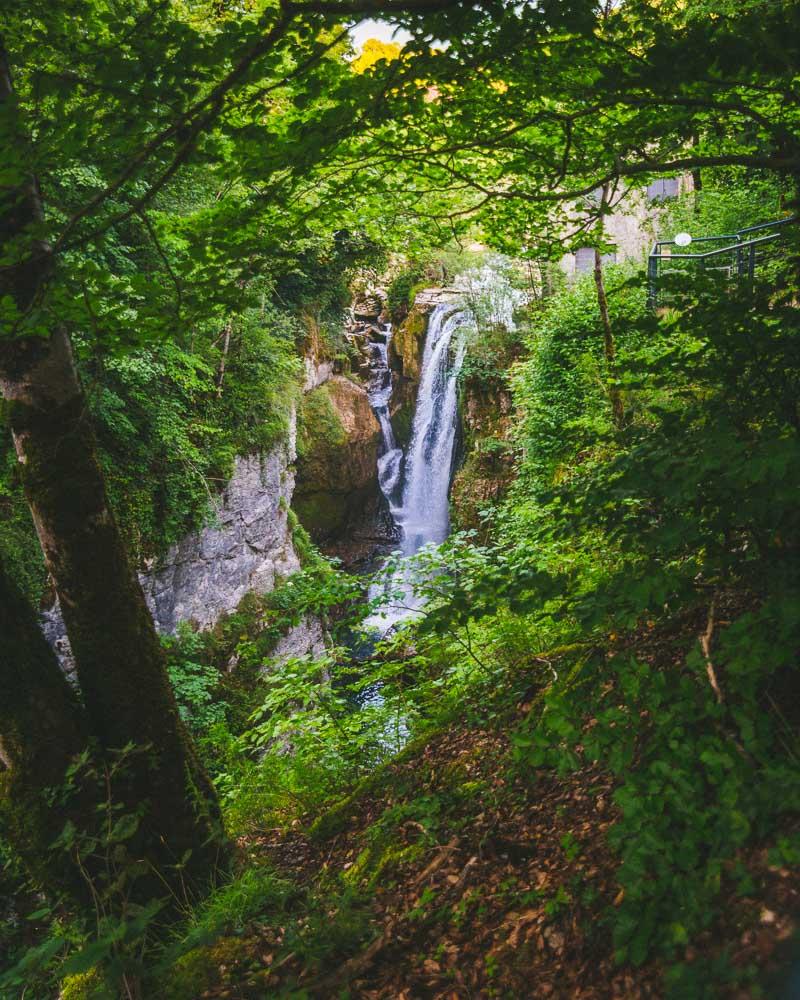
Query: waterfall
417, 488
424, 514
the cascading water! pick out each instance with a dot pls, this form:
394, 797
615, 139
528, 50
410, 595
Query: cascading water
424, 514
379, 391
417, 489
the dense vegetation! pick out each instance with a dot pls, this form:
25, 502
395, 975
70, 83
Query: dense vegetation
580, 761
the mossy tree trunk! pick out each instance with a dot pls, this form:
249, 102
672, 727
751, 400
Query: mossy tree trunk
119, 660
42, 729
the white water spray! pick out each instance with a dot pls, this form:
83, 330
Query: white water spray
417, 485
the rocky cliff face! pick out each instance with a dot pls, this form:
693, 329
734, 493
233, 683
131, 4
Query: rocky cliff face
338, 498
337, 480
487, 469
246, 547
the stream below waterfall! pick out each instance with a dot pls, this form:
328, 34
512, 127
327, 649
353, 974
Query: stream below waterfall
416, 483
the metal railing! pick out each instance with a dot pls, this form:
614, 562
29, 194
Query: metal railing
739, 259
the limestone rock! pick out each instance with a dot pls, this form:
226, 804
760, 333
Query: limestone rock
408, 344
337, 477
249, 548
369, 307
305, 639
427, 299
246, 547
317, 373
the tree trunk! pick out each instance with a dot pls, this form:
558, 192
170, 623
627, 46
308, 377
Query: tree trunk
617, 405
697, 177
226, 343
120, 663
42, 729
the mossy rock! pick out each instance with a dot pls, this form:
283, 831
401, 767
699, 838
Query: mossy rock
320, 426
337, 458
408, 343
322, 514
478, 484
403, 424
199, 970
488, 469
89, 985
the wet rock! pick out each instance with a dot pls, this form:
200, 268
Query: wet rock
426, 300
408, 344
369, 307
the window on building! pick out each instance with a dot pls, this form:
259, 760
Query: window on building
663, 188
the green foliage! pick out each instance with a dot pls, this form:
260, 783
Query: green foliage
402, 289
684, 516
195, 684
494, 296
109, 945
691, 793
315, 273
18, 542
307, 552
198, 214
729, 200
560, 388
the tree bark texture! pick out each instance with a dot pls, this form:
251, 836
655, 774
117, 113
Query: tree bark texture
617, 405
120, 663
42, 729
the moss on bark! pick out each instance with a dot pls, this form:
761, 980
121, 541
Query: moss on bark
42, 729
121, 667
120, 663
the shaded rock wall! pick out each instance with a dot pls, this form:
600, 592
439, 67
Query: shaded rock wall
487, 468
337, 475
246, 547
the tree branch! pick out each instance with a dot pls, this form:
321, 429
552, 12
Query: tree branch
213, 100
344, 8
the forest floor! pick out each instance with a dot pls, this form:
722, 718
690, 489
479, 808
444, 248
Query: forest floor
450, 874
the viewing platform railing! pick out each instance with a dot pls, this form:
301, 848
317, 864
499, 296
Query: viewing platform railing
744, 252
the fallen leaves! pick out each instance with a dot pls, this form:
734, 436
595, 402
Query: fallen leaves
493, 903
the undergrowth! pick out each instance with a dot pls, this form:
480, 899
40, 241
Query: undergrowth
633, 619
